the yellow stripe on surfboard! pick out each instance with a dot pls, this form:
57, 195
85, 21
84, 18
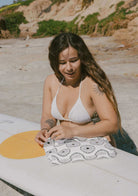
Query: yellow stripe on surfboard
21, 146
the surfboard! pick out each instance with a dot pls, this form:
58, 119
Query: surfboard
36, 175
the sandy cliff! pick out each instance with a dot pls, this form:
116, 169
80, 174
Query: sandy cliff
44, 10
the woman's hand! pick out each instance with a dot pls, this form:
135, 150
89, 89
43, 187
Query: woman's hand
41, 137
60, 132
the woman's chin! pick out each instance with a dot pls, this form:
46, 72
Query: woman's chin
69, 76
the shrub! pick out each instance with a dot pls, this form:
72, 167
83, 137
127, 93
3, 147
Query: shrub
12, 22
86, 3
115, 18
9, 7
58, 1
27, 2
119, 4
50, 27
71, 26
89, 24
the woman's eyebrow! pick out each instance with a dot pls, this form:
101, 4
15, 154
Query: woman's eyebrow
62, 60
72, 58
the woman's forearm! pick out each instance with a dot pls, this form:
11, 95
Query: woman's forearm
102, 128
47, 123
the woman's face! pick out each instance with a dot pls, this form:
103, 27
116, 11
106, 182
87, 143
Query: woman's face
70, 65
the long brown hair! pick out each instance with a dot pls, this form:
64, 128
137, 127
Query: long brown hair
89, 66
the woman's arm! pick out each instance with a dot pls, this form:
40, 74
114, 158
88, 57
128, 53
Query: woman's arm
105, 110
47, 121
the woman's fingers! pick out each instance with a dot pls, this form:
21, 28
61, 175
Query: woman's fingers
56, 132
41, 137
59, 137
52, 130
39, 141
55, 135
36, 139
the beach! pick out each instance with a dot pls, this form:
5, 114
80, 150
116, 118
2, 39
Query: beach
24, 66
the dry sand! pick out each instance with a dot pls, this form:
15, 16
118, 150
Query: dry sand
24, 66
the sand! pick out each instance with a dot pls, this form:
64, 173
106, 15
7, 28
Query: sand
24, 66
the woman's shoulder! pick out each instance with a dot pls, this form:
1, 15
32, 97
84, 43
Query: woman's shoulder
88, 81
51, 77
92, 86
51, 80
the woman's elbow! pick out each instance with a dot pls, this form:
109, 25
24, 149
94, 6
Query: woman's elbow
114, 126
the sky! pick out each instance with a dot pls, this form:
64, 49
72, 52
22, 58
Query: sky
5, 2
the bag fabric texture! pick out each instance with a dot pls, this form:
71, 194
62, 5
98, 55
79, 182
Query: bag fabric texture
78, 149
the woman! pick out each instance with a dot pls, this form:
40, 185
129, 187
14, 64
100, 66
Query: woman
78, 94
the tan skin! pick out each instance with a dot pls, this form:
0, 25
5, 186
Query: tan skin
92, 98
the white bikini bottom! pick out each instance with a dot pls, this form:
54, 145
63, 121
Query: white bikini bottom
78, 148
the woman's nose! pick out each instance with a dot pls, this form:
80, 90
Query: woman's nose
69, 66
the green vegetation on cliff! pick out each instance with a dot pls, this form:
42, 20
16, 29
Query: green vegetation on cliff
58, 1
22, 2
91, 25
15, 5
11, 7
12, 22
113, 21
86, 3
52, 27
119, 4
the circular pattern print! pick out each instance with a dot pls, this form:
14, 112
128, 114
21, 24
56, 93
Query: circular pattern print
87, 148
72, 143
64, 152
97, 141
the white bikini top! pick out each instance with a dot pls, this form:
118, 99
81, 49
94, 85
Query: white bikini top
77, 114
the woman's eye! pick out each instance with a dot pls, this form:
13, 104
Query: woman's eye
73, 61
62, 63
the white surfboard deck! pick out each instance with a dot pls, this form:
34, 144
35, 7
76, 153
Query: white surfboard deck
106, 177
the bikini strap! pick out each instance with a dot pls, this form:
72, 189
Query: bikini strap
80, 88
59, 86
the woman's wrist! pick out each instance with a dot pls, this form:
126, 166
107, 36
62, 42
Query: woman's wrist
74, 131
44, 128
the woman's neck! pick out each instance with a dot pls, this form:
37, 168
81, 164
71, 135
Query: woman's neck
72, 83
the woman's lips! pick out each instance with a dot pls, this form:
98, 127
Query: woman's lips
68, 73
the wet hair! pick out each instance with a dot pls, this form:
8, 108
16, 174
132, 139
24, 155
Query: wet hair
89, 66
